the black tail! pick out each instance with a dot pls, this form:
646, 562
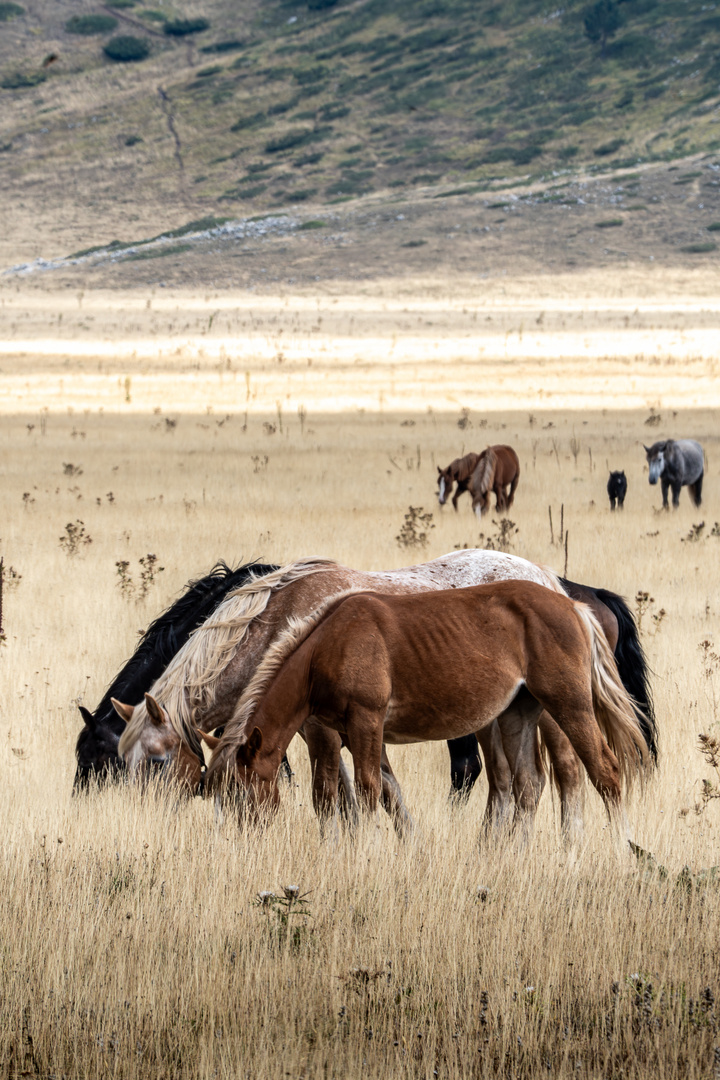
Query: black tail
631, 662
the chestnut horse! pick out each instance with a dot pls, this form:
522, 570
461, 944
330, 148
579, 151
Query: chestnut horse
496, 469
380, 668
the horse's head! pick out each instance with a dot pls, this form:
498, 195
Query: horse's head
150, 746
242, 776
96, 751
656, 460
445, 484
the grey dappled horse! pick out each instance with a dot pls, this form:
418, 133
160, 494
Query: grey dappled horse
677, 463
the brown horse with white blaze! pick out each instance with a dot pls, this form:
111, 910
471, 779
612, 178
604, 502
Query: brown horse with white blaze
380, 668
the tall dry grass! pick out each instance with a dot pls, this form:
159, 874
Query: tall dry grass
130, 940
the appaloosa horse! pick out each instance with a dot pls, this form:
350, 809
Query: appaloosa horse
499, 470
384, 668
677, 463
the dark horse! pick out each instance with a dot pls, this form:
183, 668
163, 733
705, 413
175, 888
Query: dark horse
617, 489
677, 463
611, 611
500, 470
96, 747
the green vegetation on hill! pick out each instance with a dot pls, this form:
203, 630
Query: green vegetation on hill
339, 99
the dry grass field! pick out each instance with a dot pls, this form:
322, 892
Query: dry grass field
131, 939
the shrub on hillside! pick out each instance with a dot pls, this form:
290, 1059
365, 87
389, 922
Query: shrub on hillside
320, 5
17, 80
125, 49
181, 27
90, 24
10, 11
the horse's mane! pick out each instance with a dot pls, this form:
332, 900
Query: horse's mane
484, 471
462, 468
190, 679
171, 629
297, 630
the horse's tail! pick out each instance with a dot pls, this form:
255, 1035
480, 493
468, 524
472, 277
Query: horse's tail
482, 477
613, 707
632, 667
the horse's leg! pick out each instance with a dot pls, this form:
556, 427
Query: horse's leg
465, 765
612, 502
513, 488
392, 798
665, 486
676, 489
365, 741
499, 777
696, 490
518, 730
461, 486
568, 775
324, 747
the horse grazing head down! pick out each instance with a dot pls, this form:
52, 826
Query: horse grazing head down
656, 459
96, 751
481, 481
238, 775
445, 484
154, 749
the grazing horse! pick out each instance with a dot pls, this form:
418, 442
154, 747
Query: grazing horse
617, 489
383, 668
457, 472
96, 749
204, 682
497, 469
677, 463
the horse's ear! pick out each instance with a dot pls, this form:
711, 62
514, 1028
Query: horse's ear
124, 711
87, 717
439, 469
154, 711
646, 448
209, 740
250, 749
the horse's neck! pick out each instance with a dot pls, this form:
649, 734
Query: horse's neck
299, 598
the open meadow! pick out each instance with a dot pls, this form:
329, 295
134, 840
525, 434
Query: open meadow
196, 427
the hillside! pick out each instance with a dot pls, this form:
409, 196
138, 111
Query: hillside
275, 106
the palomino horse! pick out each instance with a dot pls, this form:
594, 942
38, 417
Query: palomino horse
383, 668
96, 747
677, 463
206, 678
498, 470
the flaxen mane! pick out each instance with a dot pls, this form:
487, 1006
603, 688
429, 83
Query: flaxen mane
462, 468
298, 629
189, 682
484, 472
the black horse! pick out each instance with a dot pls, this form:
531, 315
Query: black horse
617, 489
96, 747
465, 760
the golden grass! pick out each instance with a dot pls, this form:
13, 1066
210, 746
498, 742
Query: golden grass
130, 941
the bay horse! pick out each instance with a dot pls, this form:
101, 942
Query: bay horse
205, 680
380, 668
677, 463
498, 470
96, 749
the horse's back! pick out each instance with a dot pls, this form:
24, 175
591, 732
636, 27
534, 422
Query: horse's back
508, 463
692, 457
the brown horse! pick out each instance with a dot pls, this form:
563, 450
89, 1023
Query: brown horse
379, 668
497, 469
457, 472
